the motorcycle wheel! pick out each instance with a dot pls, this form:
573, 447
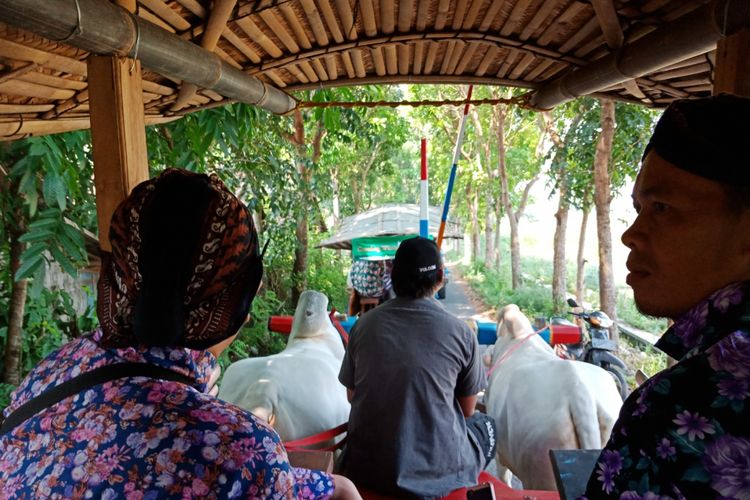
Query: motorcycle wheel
619, 378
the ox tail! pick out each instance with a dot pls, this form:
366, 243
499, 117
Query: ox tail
585, 419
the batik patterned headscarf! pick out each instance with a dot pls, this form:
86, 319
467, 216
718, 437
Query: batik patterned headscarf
184, 266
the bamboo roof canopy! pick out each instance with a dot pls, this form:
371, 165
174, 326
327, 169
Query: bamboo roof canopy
199, 53
386, 220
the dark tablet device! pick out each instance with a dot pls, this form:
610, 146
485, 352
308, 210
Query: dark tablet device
572, 470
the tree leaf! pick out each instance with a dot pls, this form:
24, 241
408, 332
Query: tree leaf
45, 223
28, 267
74, 251
33, 251
38, 148
63, 261
37, 235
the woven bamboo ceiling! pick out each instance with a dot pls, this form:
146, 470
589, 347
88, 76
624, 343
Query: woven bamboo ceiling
293, 45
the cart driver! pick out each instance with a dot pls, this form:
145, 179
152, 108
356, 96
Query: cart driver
412, 372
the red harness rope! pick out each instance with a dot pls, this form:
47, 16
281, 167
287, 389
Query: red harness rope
510, 351
339, 328
303, 443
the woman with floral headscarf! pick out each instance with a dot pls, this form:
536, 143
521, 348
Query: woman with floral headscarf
127, 410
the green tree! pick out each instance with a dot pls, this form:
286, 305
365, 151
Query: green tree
46, 195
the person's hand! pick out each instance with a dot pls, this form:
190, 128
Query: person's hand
213, 389
344, 489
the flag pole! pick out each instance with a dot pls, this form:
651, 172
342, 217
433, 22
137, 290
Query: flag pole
424, 202
454, 168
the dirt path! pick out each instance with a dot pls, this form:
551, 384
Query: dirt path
461, 300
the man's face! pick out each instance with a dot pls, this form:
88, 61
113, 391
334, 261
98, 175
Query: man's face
685, 242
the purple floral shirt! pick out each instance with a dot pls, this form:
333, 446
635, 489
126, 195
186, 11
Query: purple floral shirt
141, 438
685, 433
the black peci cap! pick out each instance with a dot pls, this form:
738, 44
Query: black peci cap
417, 256
707, 137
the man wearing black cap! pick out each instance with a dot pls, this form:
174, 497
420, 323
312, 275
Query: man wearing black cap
412, 371
685, 433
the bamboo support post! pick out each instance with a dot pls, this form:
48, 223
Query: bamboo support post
118, 134
732, 74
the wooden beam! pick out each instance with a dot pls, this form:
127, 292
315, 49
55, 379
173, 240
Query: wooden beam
217, 22
118, 134
106, 29
15, 73
294, 23
405, 9
732, 74
421, 79
347, 19
688, 36
609, 22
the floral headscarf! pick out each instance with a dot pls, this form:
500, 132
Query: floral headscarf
184, 266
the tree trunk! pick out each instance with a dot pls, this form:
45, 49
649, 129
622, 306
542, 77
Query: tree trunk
336, 200
580, 261
488, 250
515, 252
475, 225
498, 237
602, 201
299, 267
14, 340
559, 267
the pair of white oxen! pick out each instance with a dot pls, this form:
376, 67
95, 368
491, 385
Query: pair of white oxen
539, 401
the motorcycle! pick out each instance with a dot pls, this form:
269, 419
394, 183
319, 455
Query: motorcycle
596, 348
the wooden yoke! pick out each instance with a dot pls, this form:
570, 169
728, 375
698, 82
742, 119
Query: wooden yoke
118, 132
732, 74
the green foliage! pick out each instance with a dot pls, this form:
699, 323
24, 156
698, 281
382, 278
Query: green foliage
254, 339
50, 320
534, 298
627, 312
5, 390
326, 273
649, 360
51, 232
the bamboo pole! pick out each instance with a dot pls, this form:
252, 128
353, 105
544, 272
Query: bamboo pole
294, 23
217, 21
691, 35
609, 22
454, 169
106, 29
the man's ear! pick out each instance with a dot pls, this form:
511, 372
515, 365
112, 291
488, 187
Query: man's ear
440, 274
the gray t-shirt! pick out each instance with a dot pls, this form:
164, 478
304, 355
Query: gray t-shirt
408, 361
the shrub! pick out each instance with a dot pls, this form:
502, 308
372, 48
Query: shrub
254, 339
326, 273
627, 312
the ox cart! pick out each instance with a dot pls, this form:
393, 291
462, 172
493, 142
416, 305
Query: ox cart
116, 67
373, 237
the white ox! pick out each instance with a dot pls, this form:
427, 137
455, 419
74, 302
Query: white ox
541, 402
297, 390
